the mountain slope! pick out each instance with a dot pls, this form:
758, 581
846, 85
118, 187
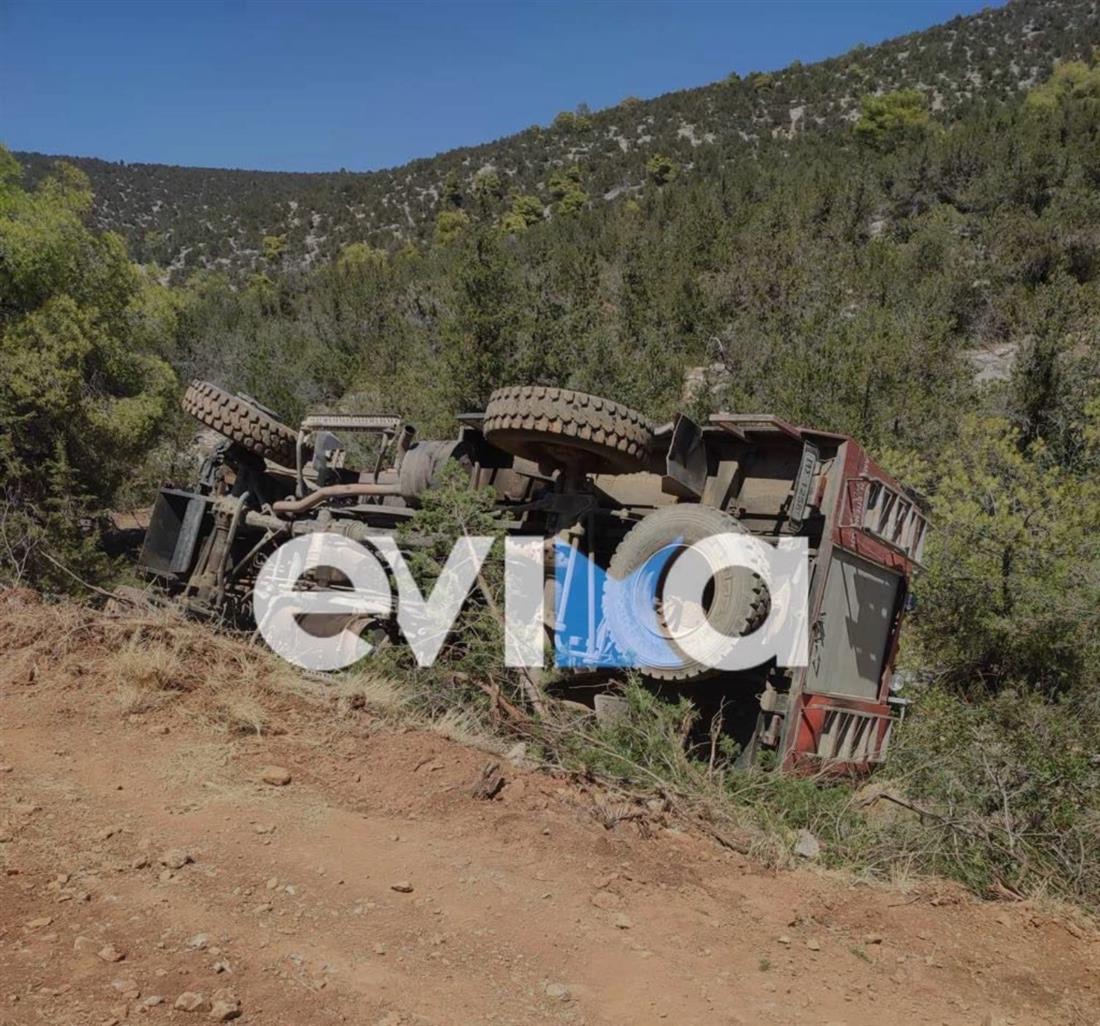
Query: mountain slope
184, 218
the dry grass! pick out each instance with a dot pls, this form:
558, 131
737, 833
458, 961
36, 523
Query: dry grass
154, 659
358, 689
144, 676
464, 729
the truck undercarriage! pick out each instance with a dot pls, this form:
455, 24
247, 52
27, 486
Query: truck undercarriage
607, 490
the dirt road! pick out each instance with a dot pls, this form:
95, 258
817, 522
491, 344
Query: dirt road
146, 864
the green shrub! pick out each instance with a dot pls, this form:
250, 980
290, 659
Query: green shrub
81, 393
891, 119
468, 674
1011, 789
1011, 595
661, 169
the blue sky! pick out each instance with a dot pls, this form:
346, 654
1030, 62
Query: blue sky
310, 86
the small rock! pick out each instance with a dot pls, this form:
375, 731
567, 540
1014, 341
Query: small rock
109, 953
784, 939
402, 887
189, 1001
277, 776
127, 988
622, 922
872, 938
264, 828
379, 949
152, 1001
199, 941
517, 754
558, 992
141, 862
489, 784
807, 846
224, 1006
609, 901
221, 967
84, 945
158, 728
813, 944
39, 923
176, 858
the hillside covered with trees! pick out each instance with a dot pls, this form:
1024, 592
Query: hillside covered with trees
184, 219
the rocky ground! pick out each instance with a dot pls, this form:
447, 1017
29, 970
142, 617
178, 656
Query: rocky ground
159, 866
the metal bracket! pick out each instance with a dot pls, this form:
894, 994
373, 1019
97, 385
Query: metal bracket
686, 460
800, 499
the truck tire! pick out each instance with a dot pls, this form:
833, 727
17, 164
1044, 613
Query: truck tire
242, 422
738, 598
564, 428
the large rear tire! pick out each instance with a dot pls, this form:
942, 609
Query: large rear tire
737, 605
242, 422
563, 428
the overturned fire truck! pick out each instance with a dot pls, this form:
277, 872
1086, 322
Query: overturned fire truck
611, 489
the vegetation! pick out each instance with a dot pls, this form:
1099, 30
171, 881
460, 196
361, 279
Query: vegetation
892, 119
81, 389
188, 219
852, 265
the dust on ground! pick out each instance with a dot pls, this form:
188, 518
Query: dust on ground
150, 873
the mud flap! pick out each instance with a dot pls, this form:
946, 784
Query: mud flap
170, 542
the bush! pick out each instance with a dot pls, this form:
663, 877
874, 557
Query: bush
661, 169
892, 119
1011, 594
1011, 789
468, 677
81, 393
450, 225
